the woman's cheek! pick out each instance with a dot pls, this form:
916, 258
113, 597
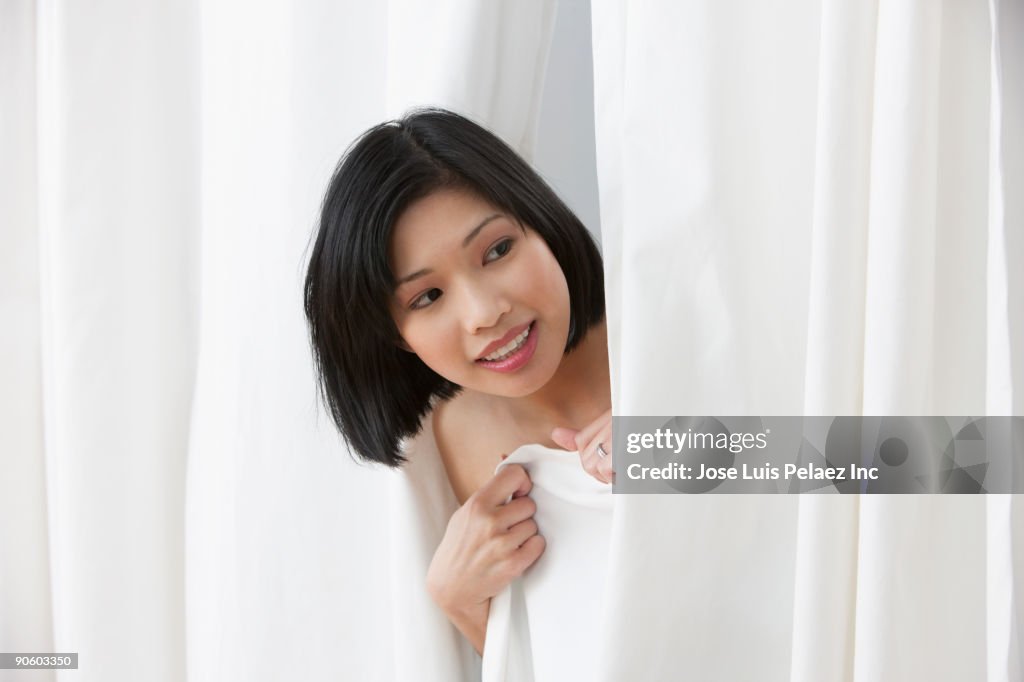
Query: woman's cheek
542, 271
440, 342
421, 335
550, 282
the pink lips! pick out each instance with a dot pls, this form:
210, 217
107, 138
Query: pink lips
509, 335
517, 359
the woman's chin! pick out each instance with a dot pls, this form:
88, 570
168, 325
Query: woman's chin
521, 384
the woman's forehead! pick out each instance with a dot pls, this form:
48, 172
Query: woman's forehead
442, 219
445, 210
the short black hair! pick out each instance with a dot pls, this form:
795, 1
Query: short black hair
376, 392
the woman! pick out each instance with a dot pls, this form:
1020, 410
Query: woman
448, 283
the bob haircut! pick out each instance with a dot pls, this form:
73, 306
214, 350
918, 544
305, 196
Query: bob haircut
378, 393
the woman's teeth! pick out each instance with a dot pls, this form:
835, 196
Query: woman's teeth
509, 348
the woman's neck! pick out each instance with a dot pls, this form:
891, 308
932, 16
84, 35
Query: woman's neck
578, 393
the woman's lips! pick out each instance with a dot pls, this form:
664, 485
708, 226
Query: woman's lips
518, 358
503, 341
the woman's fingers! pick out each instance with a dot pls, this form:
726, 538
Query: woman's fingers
511, 482
571, 439
587, 433
515, 512
598, 466
585, 441
565, 438
605, 466
520, 533
528, 553
490, 540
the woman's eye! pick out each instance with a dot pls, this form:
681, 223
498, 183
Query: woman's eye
501, 249
425, 299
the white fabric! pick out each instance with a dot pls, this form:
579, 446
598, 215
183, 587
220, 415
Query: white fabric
174, 504
104, 168
545, 624
427, 645
544, 627
806, 209
493, 72
24, 553
286, 538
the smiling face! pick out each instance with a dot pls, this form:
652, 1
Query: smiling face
480, 300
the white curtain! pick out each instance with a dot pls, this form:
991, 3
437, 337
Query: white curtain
98, 216
813, 208
173, 504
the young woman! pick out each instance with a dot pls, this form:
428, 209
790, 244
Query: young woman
449, 283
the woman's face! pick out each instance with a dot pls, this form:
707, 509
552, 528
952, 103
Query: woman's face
481, 302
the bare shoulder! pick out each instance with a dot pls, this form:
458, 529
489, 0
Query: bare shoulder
470, 440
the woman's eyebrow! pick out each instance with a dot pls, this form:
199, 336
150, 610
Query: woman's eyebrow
476, 230
465, 242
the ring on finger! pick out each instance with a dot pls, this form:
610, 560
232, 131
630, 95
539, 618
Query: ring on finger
601, 452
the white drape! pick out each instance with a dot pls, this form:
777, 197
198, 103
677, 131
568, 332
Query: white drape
174, 506
98, 216
810, 207
807, 209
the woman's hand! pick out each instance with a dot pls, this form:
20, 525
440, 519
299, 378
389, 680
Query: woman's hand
585, 441
490, 541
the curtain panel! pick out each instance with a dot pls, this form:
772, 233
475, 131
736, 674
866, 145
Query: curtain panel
808, 209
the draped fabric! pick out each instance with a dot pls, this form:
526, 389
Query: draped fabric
173, 503
97, 223
806, 207
543, 626
809, 209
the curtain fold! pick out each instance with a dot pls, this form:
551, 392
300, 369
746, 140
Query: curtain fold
117, 203
176, 506
1005, 327
487, 60
286, 536
25, 601
806, 208
811, 217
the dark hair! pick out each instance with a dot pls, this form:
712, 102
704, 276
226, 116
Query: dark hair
376, 392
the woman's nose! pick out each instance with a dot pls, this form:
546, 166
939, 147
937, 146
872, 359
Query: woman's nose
483, 308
